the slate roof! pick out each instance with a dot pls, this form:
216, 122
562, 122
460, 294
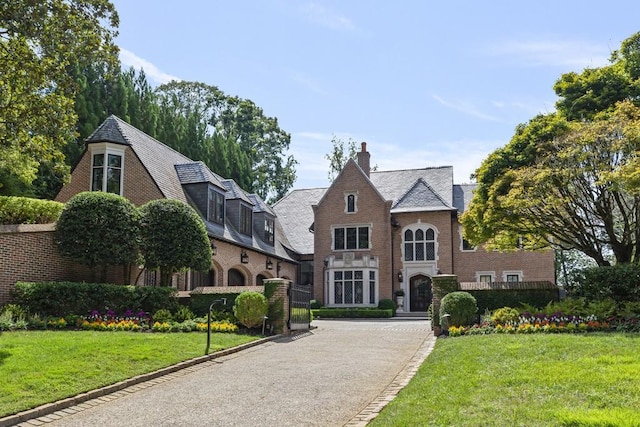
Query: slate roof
170, 170
393, 185
420, 197
157, 158
197, 172
296, 216
462, 194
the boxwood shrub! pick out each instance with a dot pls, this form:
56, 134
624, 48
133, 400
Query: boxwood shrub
461, 308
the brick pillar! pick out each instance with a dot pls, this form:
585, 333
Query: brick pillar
442, 284
277, 292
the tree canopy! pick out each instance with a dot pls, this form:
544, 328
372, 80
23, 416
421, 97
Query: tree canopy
39, 43
173, 238
569, 179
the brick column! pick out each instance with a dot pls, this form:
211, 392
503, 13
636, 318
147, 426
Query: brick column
442, 284
280, 295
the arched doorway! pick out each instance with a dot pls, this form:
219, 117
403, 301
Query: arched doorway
419, 293
235, 278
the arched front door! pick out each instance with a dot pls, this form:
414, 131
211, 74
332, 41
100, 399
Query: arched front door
420, 293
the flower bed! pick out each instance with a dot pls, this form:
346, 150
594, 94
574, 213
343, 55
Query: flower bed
529, 323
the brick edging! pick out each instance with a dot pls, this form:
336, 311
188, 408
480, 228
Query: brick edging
49, 408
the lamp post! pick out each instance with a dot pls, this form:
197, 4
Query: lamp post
222, 301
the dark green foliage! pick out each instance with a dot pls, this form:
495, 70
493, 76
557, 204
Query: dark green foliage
461, 308
352, 313
387, 304
496, 298
99, 229
620, 282
173, 237
200, 303
316, 304
250, 308
275, 313
62, 298
24, 210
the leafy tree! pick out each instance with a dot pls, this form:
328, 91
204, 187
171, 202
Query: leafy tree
98, 230
340, 155
39, 43
174, 238
577, 191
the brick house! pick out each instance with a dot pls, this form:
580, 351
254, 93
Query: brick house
246, 239
372, 233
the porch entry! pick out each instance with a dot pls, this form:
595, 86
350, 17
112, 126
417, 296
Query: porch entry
420, 293
299, 307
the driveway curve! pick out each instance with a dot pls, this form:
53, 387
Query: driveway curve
329, 376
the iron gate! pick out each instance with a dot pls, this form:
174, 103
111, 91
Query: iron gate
299, 307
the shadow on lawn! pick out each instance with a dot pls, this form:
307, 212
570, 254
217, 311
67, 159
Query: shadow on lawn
4, 355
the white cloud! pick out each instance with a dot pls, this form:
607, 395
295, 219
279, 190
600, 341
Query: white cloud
326, 17
574, 54
130, 59
466, 108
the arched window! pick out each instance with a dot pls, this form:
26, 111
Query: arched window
199, 278
260, 278
420, 243
235, 278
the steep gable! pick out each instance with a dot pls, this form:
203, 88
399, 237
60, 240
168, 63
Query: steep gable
393, 185
420, 197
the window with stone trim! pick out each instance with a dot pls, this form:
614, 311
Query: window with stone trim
353, 287
419, 243
351, 203
350, 238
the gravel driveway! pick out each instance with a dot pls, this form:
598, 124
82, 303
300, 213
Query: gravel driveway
324, 377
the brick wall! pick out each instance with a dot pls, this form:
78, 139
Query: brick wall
371, 210
28, 253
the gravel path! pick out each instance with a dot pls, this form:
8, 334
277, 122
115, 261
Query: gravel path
325, 377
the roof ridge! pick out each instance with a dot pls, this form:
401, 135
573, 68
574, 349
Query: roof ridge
412, 187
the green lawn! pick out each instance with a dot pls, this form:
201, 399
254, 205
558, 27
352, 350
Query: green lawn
37, 367
524, 380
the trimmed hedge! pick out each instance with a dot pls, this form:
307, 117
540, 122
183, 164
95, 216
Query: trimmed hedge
461, 307
200, 303
25, 210
620, 282
498, 298
355, 313
64, 298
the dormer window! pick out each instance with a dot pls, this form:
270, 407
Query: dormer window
106, 169
350, 203
216, 207
245, 220
268, 231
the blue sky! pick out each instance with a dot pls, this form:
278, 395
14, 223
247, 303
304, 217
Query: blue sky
423, 83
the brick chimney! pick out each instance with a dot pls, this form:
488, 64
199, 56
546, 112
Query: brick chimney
364, 159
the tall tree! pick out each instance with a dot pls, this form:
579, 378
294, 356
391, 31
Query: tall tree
340, 154
39, 43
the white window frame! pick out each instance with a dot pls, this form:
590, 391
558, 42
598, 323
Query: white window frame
369, 281
357, 227
355, 202
424, 227
507, 273
106, 149
479, 274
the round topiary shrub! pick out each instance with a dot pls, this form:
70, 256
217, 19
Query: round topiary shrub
504, 315
250, 308
387, 304
461, 308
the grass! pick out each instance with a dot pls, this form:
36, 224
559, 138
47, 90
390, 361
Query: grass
567, 380
38, 367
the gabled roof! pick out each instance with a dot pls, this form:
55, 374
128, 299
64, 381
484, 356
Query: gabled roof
197, 172
351, 164
157, 158
296, 216
420, 197
395, 184
259, 205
